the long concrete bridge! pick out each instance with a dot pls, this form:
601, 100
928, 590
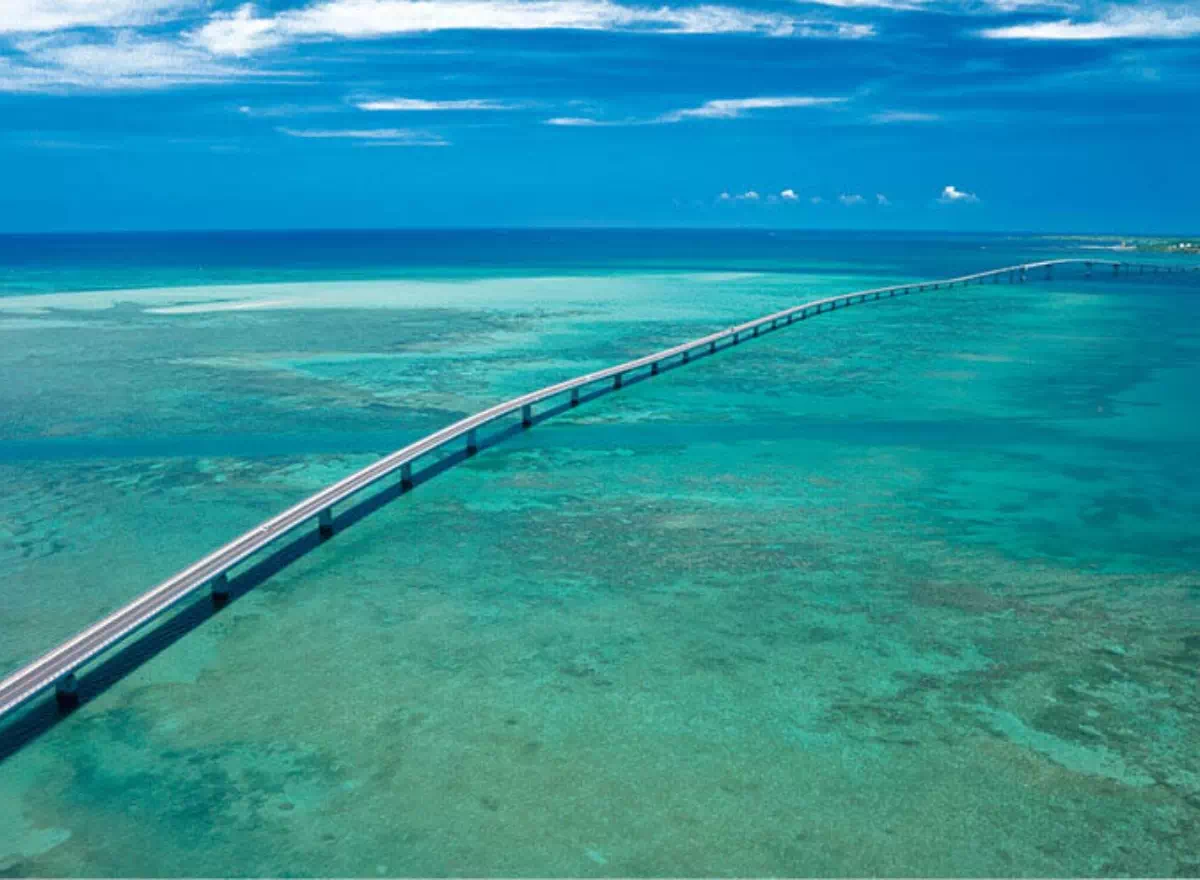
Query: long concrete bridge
58, 669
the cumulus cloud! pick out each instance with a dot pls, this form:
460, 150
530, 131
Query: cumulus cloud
392, 137
851, 199
420, 105
882, 200
244, 30
816, 200
789, 195
1118, 22
953, 195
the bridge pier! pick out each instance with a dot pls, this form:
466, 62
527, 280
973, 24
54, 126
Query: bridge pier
406, 482
66, 692
654, 369
527, 416
325, 523
756, 330
472, 442
712, 347
574, 397
616, 381
687, 356
218, 589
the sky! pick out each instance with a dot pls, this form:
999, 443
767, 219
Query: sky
1022, 115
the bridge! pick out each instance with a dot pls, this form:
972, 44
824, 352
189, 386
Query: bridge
59, 668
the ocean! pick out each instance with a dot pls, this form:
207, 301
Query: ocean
910, 589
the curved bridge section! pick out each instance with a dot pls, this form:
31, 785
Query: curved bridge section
57, 669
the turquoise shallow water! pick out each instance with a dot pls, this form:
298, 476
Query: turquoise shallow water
912, 589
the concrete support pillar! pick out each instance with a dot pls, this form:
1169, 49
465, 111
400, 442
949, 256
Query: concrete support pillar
755, 331
218, 588
712, 347
574, 397
735, 339
406, 476
654, 369
66, 692
472, 442
617, 381
687, 356
527, 415
325, 522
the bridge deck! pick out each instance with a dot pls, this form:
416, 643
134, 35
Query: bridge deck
57, 668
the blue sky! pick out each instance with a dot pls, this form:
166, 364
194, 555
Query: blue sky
1063, 115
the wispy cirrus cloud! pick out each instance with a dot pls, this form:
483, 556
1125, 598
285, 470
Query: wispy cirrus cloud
109, 60
1117, 22
850, 199
720, 108
731, 108
391, 137
905, 5
891, 117
420, 105
46, 16
244, 31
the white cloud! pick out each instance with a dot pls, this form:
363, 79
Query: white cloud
731, 108
952, 195
852, 199
1036, 5
420, 105
238, 33
392, 137
244, 31
872, 4
889, 117
587, 122
111, 61
723, 108
724, 197
882, 200
816, 200
789, 195
749, 196
44, 16
277, 111
1118, 22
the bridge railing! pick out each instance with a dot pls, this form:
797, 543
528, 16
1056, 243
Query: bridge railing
58, 667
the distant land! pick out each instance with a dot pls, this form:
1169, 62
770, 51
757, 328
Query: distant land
1142, 244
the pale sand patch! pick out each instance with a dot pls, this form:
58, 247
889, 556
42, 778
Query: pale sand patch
202, 308
405, 293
